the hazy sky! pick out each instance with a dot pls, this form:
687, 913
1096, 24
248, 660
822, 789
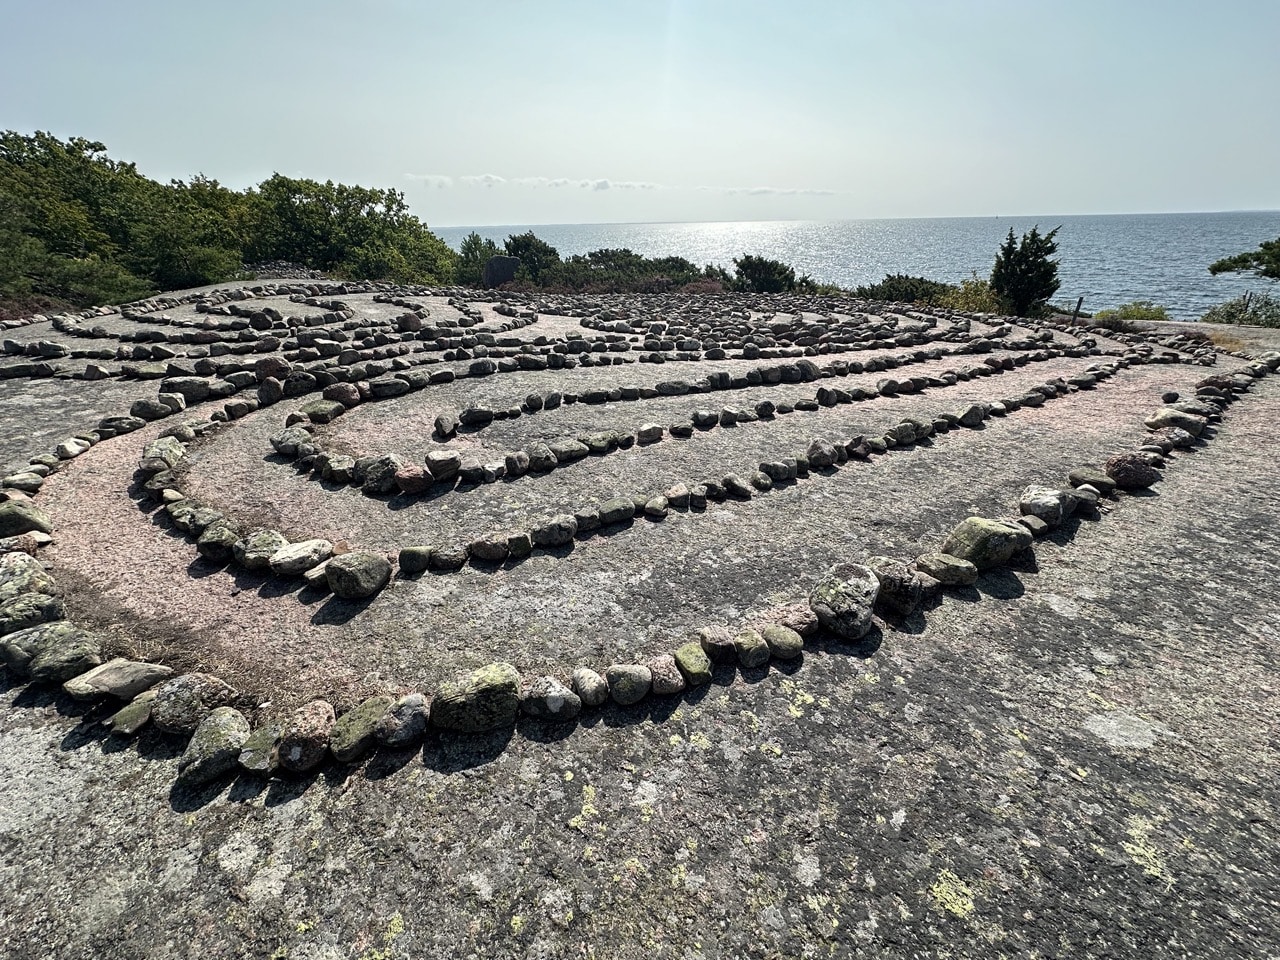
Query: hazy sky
564, 112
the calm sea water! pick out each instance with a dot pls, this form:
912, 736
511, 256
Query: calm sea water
1108, 260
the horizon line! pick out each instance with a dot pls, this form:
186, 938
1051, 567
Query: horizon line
984, 216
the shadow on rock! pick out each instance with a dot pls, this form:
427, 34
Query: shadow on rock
1000, 584
454, 753
338, 611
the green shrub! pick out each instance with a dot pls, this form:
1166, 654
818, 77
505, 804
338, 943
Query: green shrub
900, 288
1252, 309
1139, 311
762, 275
972, 296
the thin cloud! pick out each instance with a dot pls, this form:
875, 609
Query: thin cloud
600, 184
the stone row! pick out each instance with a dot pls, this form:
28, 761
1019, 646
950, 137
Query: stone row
387, 474
842, 602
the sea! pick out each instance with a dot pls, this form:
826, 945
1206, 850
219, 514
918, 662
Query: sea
1107, 259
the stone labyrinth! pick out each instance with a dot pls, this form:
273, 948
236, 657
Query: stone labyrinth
302, 522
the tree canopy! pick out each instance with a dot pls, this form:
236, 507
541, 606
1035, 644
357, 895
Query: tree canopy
1265, 261
1023, 276
83, 228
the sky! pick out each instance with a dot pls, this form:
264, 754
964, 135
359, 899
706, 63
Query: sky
516, 112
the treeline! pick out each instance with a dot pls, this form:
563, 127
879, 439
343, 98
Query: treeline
623, 271
81, 228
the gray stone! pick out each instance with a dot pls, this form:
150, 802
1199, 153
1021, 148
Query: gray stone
29, 610
357, 575
629, 683
784, 643
214, 748
304, 741
1049, 504
751, 648
485, 699
986, 543
120, 678
21, 573
548, 699
133, 716
65, 654
22, 516
555, 532
717, 643
404, 723
255, 551
844, 600
297, 558
590, 687
948, 570
181, 703
258, 755
355, 732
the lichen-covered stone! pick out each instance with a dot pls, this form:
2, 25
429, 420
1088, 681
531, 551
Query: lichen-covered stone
546, 698
948, 570
181, 703
29, 610
751, 647
133, 716
694, 664
66, 654
986, 543
355, 732
844, 600
214, 748
357, 575
255, 551
258, 755
784, 643
590, 687
628, 682
22, 516
304, 740
485, 699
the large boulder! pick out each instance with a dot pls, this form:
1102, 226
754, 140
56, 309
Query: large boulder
120, 678
22, 516
214, 748
355, 732
66, 654
1051, 505
986, 543
1172, 417
181, 703
358, 575
485, 699
304, 741
1131, 471
21, 573
845, 598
